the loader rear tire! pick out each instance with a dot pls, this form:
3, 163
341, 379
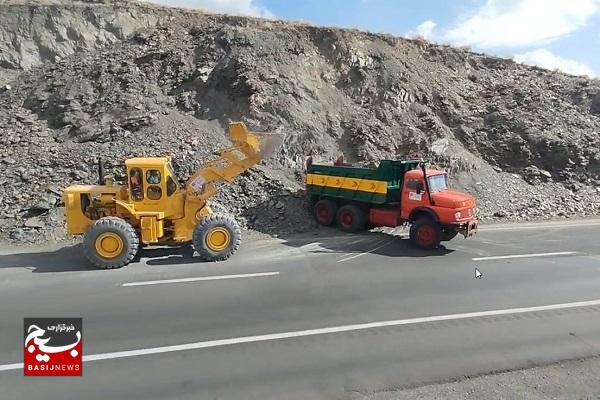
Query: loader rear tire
217, 237
111, 242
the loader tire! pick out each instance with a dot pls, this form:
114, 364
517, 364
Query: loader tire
325, 211
351, 218
425, 233
217, 237
111, 242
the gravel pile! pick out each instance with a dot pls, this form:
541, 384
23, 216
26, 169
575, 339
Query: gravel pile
526, 141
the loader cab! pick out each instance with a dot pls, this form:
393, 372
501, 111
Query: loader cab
152, 185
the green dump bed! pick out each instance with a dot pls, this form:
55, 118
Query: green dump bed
379, 185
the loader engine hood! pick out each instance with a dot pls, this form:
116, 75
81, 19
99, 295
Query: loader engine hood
453, 199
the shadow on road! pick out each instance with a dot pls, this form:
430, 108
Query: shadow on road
68, 258
71, 258
296, 216
170, 255
321, 241
378, 243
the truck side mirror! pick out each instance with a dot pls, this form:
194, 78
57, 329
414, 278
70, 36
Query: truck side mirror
419, 188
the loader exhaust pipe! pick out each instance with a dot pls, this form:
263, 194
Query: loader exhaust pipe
100, 172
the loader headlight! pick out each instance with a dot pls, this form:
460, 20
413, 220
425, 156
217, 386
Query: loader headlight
457, 215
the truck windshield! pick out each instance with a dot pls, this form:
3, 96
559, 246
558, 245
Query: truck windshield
437, 183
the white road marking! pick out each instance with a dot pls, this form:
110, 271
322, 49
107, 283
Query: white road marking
366, 252
321, 331
201, 278
560, 253
8, 367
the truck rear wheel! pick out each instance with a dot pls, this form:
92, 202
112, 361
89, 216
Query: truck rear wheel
425, 233
217, 237
111, 242
325, 211
351, 218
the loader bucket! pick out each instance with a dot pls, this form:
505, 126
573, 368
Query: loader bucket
262, 144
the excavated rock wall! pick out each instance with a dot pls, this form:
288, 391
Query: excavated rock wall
525, 141
33, 32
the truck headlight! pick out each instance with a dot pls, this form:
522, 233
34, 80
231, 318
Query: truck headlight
457, 215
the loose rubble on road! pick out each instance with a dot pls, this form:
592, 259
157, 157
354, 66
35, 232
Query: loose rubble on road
524, 140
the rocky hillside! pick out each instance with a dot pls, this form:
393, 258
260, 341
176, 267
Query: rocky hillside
33, 32
526, 141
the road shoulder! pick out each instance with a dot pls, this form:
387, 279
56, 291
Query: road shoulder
576, 379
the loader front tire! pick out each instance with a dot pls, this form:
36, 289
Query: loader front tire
111, 242
217, 237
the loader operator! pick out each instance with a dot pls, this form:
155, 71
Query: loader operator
135, 181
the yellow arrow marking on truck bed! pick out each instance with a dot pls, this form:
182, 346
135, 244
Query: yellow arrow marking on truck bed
365, 185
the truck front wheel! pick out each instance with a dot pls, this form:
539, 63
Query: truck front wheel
425, 233
351, 218
325, 211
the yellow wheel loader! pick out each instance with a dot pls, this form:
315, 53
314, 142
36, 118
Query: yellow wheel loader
116, 220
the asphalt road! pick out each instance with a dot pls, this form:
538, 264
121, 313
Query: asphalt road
328, 316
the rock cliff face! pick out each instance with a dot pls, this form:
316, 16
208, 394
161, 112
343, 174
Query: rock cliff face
33, 32
526, 141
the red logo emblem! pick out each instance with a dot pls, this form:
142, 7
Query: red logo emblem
53, 346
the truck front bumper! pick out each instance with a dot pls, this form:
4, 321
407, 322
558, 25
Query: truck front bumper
468, 228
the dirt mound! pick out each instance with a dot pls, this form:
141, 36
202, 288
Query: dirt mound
524, 140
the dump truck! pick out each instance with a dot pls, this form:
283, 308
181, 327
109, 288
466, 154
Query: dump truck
154, 209
394, 193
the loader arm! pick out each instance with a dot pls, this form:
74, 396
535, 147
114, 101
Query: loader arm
248, 149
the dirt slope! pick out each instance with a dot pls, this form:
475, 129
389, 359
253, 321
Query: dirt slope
524, 140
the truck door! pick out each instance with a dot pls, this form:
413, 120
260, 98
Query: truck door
414, 195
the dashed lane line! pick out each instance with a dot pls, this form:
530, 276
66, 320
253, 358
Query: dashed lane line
320, 331
200, 278
559, 253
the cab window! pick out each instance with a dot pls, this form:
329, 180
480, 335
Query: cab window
171, 186
153, 176
438, 183
135, 184
154, 192
412, 184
